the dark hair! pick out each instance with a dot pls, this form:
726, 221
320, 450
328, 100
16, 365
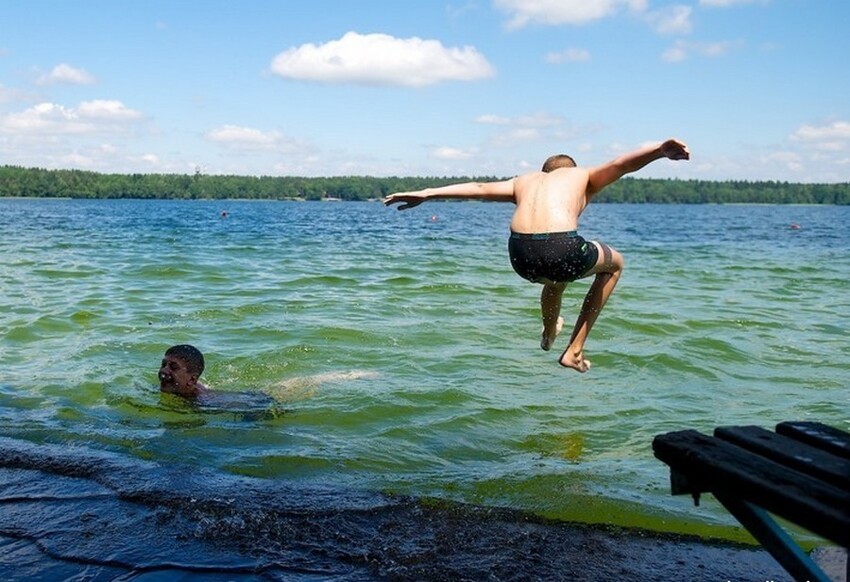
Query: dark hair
558, 161
191, 355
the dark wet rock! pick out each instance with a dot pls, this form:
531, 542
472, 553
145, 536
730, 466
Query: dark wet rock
70, 512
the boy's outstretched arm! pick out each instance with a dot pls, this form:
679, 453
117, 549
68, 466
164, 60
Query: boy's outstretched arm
494, 191
610, 172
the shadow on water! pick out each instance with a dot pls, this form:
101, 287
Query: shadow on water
71, 512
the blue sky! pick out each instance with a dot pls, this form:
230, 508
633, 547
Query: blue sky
759, 89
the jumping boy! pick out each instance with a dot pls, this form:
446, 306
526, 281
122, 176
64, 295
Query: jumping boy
544, 245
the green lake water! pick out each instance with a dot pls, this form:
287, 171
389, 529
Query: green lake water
724, 315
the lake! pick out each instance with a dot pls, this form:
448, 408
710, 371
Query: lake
402, 352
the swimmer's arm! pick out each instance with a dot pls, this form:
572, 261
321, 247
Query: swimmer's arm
304, 386
502, 191
610, 172
338, 376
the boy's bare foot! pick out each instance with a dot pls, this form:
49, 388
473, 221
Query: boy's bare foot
546, 341
576, 361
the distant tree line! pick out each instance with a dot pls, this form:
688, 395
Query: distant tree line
638, 190
41, 183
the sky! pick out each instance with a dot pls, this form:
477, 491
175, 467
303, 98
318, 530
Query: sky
758, 89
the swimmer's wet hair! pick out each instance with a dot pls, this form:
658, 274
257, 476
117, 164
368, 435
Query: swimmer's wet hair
191, 355
558, 161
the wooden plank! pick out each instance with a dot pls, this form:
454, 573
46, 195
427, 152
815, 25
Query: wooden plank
715, 465
790, 452
818, 435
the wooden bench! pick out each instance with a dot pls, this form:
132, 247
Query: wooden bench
800, 473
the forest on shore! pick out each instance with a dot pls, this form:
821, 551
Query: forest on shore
42, 183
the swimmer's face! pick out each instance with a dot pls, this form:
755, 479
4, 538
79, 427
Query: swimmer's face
175, 377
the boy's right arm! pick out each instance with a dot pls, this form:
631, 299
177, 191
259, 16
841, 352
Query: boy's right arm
493, 191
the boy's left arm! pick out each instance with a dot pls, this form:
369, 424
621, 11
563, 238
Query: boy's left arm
608, 173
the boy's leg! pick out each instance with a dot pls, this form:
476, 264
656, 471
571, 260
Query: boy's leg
608, 267
550, 312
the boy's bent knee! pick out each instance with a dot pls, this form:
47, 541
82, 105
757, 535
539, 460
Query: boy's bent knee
618, 261
609, 260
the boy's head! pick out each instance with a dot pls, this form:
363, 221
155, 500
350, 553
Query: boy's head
181, 367
558, 161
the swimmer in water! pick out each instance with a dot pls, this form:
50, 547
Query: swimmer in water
182, 366
544, 245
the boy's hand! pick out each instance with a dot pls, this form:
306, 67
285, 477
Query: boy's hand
407, 200
675, 150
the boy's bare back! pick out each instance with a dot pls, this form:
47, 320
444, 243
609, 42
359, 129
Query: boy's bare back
549, 202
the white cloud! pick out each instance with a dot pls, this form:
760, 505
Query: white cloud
538, 120
835, 131
492, 120
89, 117
829, 139
681, 50
570, 55
671, 20
380, 59
727, 3
521, 134
716, 49
243, 136
675, 54
449, 153
66, 74
831, 146
542, 128
76, 160
537, 130
537, 127
789, 160
8, 95
44, 118
102, 109
556, 12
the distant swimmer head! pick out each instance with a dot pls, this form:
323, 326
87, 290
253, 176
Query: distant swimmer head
181, 367
558, 161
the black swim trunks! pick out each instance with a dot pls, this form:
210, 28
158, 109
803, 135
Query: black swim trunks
560, 257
